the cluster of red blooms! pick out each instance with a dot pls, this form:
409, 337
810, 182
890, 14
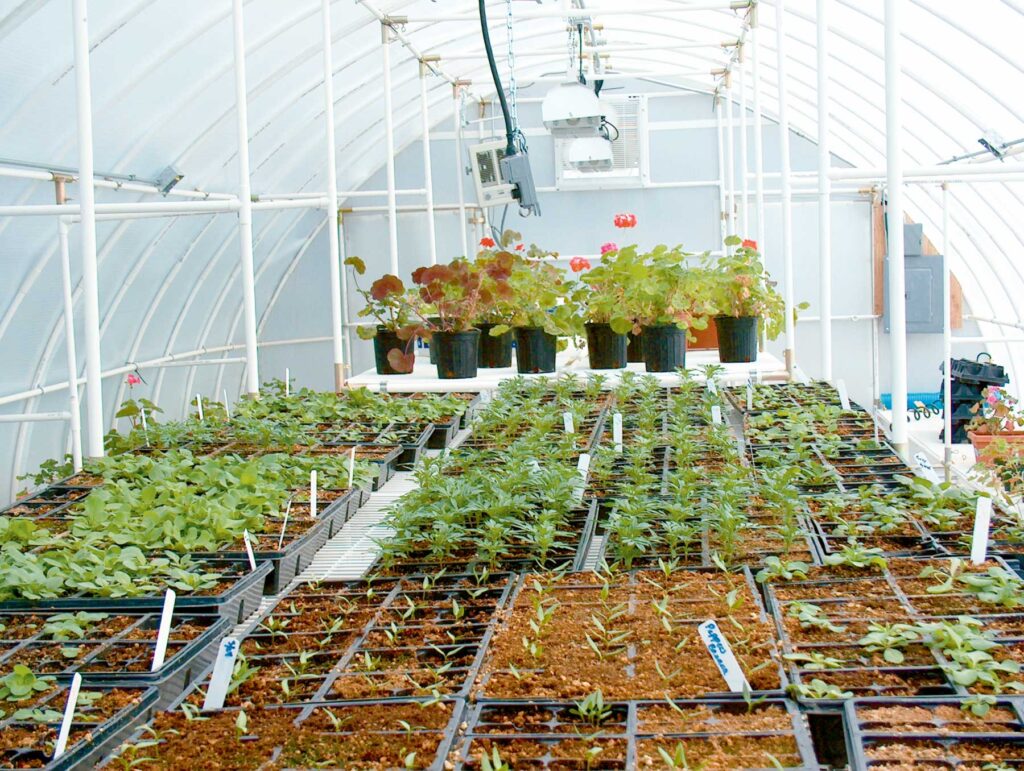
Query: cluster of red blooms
625, 220
576, 264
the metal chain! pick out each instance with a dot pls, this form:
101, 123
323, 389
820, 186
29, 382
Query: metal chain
512, 87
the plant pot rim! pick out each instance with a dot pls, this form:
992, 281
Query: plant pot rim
998, 435
730, 316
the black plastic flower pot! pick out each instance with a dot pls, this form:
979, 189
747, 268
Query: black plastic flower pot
535, 350
495, 351
664, 348
386, 341
607, 350
457, 353
431, 348
635, 348
737, 338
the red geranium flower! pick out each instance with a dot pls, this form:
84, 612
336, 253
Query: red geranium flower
133, 379
579, 263
749, 243
625, 220
520, 247
487, 243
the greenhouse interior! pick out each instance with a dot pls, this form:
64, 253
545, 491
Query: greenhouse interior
511, 384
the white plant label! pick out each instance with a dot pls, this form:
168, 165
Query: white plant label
199, 407
982, 520
750, 395
145, 426
755, 375
617, 431
227, 654
287, 382
712, 386
724, 658
69, 714
248, 550
382, 387
227, 406
925, 467
570, 427
844, 396
583, 466
312, 493
716, 414
351, 466
164, 632
284, 524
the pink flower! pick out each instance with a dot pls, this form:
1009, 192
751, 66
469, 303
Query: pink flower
992, 397
625, 220
487, 243
609, 247
579, 263
133, 379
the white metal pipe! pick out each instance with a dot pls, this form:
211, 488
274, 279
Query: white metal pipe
894, 222
997, 322
459, 170
947, 345
333, 249
245, 210
389, 147
755, 71
293, 203
622, 75
341, 194
109, 184
618, 10
824, 194
428, 173
71, 351
588, 51
141, 207
338, 223
90, 268
986, 339
744, 212
730, 161
949, 172
787, 188
35, 417
849, 317
723, 217
197, 363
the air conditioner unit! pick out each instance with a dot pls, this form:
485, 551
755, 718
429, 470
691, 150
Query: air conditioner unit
589, 154
491, 187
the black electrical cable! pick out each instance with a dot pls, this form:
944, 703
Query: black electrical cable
510, 133
579, 31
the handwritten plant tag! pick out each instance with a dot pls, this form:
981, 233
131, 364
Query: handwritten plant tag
716, 414
924, 466
248, 550
844, 396
164, 632
725, 660
223, 668
567, 420
312, 493
982, 522
69, 714
617, 431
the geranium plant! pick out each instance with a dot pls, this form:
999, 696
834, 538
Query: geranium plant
495, 262
461, 291
665, 290
997, 413
390, 305
740, 287
541, 297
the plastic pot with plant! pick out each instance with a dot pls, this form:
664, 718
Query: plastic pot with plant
394, 335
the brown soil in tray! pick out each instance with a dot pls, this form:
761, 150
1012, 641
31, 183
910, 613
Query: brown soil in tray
723, 753
566, 753
970, 756
874, 682
943, 719
703, 719
371, 737
569, 668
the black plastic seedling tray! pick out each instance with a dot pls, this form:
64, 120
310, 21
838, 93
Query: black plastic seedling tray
413, 439
88, 742
183, 666
625, 732
235, 603
947, 730
295, 556
444, 433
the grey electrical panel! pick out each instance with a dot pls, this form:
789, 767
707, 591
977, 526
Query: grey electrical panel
923, 284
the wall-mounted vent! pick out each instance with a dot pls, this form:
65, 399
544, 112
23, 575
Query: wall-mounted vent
628, 161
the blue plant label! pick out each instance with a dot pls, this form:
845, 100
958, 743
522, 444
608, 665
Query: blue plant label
725, 660
844, 396
223, 668
982, 521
